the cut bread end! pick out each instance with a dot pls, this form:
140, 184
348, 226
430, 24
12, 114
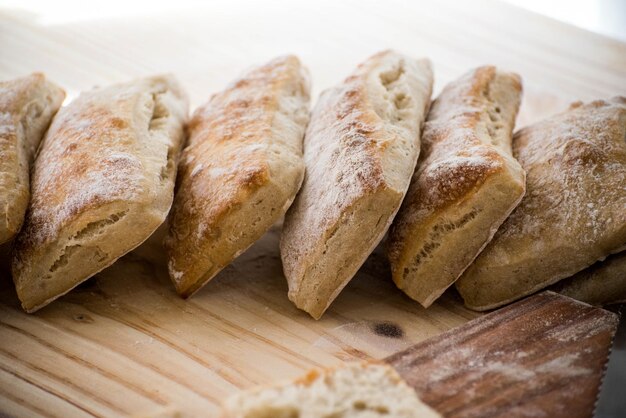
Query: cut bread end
311, 287
355, 390
227, 237
436, 256
92, 243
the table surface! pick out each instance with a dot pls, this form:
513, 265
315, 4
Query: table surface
124, 343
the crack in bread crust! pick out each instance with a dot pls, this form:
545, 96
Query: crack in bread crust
240, 171
573, 212
466, 177
27, 106
360, 147
102, 182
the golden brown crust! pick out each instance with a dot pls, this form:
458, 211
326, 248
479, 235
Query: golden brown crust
465, 185
360, 151
102, 183
573, 212
456, 159
27, 106
240, 171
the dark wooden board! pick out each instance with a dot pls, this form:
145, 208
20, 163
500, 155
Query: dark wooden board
544, 356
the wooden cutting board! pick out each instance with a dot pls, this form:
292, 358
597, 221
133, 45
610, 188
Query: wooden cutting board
544, 356
124, 343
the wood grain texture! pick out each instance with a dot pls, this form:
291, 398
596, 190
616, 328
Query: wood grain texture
124, 343
541, 357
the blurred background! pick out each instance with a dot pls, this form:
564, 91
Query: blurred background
206, 43
607, 17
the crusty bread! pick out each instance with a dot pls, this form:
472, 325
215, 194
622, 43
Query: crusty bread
466, 184
360, 151
364, 390
27, 106
102, 182
573, 213
240, 171
603, 283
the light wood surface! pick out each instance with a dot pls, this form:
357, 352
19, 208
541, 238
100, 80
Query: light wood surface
124, 343
543, 356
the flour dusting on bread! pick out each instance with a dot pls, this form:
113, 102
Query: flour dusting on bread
465, 185
360, 151
240, 171
573, 210
27, 105
102, 183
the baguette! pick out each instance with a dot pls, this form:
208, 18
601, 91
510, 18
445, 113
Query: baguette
102, 183
466, 184
240, 172
572, 214
355, 390
604, 283
360, 150
27, 106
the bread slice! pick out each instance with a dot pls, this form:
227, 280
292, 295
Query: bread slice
101, 184
27, 106
240, 171
360, 151
604, 283
572, 214
466, 184
355, 390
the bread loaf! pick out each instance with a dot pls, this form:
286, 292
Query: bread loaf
240, 171
355, 390
101, 184
27, 106
572, 214
465, 185
603, 283
360, 151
